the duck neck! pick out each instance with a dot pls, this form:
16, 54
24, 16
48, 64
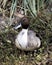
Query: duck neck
25, 30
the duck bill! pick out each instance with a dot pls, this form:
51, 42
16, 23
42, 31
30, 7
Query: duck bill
18, 26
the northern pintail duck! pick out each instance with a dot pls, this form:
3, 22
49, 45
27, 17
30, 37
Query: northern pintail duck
26, 39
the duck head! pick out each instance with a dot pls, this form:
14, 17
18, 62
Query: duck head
24, 23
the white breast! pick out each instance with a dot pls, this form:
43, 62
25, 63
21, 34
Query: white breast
22, 38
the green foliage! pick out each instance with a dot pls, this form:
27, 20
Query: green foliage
32, 6
13, 6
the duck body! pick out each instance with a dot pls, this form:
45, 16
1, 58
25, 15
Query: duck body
27, 40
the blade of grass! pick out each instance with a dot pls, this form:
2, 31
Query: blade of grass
32, 8
4, 3
13, 6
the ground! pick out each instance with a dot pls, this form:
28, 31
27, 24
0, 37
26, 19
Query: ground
10, 55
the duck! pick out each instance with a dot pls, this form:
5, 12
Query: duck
26, 39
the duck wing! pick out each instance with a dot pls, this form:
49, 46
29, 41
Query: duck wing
33, 41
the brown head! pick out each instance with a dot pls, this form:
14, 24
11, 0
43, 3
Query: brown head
24, 22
